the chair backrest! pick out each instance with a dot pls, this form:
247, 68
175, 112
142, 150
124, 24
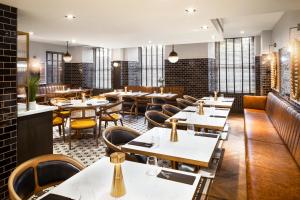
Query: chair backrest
156, 118
112, 108
115, 136
39, 173
183, 103
170, 110
190, 98
89, 112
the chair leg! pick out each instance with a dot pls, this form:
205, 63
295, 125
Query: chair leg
63, 130
70, 133
105, 124
59, 130
121, 122
115, 122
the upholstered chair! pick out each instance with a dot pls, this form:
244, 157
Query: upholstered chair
156, 119
170, 110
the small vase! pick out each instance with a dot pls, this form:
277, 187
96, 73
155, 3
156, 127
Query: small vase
32, 105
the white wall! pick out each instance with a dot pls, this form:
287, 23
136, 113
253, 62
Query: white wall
266, 41
281, 29
125, 54
189, 51
39, 49
81, 54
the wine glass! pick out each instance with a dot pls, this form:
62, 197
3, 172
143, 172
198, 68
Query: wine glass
190, 129
152, 163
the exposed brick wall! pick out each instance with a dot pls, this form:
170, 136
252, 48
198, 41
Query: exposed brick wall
79, 74
192, 74
265, 75
134, 73
8, 104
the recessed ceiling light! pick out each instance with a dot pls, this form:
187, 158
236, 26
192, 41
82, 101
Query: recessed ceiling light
150, 42
31, 33
190, 10
242, 32
73, 41
70, 17
204, 27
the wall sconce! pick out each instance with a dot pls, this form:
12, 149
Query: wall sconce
34, 65
116, 64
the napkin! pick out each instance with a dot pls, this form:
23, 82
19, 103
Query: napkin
217, 116
206, 135
142, 144
177, 177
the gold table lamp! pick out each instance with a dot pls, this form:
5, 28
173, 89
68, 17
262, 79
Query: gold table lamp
174, 135
215, 95
200, 108
118, 186
161, 90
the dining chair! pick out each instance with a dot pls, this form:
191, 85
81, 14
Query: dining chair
190, 98
116, 136
83, 118
129, 105
110, 113
156, 119
35, 175
64, 113
170, 110
183, 103
58, 121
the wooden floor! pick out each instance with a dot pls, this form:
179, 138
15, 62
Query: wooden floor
230, 182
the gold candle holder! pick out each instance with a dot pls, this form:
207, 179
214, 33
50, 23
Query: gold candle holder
118, 186
201, 108
161, 90
215, 95
174, 135
125, 89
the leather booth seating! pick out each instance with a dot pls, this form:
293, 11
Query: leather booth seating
272, 139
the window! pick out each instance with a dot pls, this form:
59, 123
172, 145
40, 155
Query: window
54, 65
103, 69
152, 64
236, 65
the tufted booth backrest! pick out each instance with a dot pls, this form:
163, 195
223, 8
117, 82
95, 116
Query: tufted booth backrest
286, 120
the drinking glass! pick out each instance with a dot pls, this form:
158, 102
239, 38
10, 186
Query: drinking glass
155, 139
152, 163
191, 129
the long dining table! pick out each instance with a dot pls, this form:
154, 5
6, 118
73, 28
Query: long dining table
213, 118
95, 182
222, 102
194, 149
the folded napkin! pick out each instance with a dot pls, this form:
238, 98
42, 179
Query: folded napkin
206, 135
227, 101
179, 119
141, 144
217, 116
222, 109
177, 177
66, 104
55, 197
188, 111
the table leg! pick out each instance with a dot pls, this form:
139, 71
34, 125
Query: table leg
174, 164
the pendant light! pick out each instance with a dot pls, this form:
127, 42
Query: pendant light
173, 56
67, 56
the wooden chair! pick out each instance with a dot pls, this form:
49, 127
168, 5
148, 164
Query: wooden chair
110, 113
115, 136
190, 98
59, 121
183, 103
64, 113
83, 118
37, 174
156, 119
170, 110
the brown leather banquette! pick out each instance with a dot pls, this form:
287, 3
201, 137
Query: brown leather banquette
272, 138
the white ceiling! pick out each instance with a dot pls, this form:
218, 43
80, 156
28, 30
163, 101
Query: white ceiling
131, 23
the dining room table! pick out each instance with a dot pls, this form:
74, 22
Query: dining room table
194, 149
76, 103
222, 102
95, 182
66, 92
214, 118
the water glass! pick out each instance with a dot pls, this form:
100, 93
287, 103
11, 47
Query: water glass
152, 163
155, 140
191, 129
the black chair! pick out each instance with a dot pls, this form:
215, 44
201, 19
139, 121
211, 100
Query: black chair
115, 136
170, 110
156, 119
39, 173
183, 103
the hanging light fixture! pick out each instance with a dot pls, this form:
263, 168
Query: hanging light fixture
173, 56
67, 56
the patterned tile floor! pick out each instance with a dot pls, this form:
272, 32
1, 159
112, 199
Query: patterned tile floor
85, 149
